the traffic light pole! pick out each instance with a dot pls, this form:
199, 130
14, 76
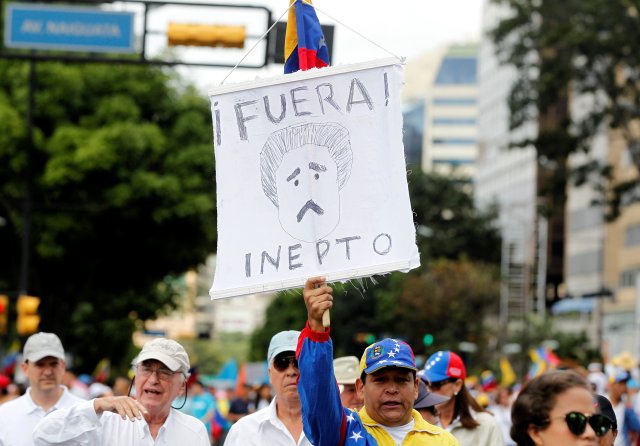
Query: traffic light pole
27, 205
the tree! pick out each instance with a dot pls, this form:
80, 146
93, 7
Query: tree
123, 196
450, 300
586, 48
448, 296
447, 222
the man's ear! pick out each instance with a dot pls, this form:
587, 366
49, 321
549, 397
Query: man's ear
360, 388
417, 387
183, 388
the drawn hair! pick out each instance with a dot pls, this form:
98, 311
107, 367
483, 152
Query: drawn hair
330, 135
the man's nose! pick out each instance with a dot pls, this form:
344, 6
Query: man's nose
392, 388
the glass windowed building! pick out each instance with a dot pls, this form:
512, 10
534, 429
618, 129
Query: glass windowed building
444, 87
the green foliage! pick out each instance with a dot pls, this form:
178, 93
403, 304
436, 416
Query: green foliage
123, 196
286, 312
573, 349
448, 224
209, 356
575, 47
449, 296
450, 299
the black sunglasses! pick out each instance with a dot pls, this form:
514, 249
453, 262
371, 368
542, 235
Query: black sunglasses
438, 384
281, 363
577, 423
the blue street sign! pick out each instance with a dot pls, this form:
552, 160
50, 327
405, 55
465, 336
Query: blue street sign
39, 26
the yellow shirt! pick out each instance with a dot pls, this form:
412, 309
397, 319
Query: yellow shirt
422, 433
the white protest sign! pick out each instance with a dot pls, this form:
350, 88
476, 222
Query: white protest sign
311, 179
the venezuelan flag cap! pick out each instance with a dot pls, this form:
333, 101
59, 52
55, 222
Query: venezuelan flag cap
387, 353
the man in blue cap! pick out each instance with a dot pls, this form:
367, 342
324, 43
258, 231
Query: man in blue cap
388, 384
627, 419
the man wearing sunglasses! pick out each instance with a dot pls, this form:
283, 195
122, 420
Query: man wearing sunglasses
161, 371
280, 423
387, 383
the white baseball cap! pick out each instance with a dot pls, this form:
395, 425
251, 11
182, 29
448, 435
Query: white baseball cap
346, 369
41, 345
282, 342
168, 352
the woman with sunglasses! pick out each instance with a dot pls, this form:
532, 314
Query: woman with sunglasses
460, 414
557, 409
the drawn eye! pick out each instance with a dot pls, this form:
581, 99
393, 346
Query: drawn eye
296, 182
317, 175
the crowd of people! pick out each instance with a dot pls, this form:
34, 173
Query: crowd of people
312, 398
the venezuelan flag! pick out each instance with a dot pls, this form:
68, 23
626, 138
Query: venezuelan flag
304, 45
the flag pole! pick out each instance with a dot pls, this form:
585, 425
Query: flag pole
326, 319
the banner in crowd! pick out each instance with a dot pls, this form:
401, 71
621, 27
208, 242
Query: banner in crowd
311, 179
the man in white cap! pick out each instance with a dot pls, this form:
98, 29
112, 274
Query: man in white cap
161, 371
44, 366
347, 371
279, 424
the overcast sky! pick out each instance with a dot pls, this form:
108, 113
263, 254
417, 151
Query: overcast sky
406, 28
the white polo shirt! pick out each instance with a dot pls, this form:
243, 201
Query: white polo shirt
19, 417
80, 425
263, 428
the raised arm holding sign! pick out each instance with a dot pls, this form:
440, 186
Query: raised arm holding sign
387, 383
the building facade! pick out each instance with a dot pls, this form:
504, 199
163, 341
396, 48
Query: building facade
441, 110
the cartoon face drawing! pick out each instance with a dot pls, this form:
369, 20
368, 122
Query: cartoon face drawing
303, 168
308, 194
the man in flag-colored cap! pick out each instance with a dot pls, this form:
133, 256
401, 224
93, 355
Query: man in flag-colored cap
387, 382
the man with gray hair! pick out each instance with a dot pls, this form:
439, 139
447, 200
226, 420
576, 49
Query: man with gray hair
161, 371
44, 366
280, 423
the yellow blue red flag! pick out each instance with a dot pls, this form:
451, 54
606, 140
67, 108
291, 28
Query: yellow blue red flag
304, 46
102, 370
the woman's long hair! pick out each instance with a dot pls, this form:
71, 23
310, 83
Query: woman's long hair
464, 404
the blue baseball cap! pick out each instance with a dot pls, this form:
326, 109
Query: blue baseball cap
444, 365
387, 353
619, 376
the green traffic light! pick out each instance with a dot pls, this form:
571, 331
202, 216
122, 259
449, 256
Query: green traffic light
428, 339
370, 338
